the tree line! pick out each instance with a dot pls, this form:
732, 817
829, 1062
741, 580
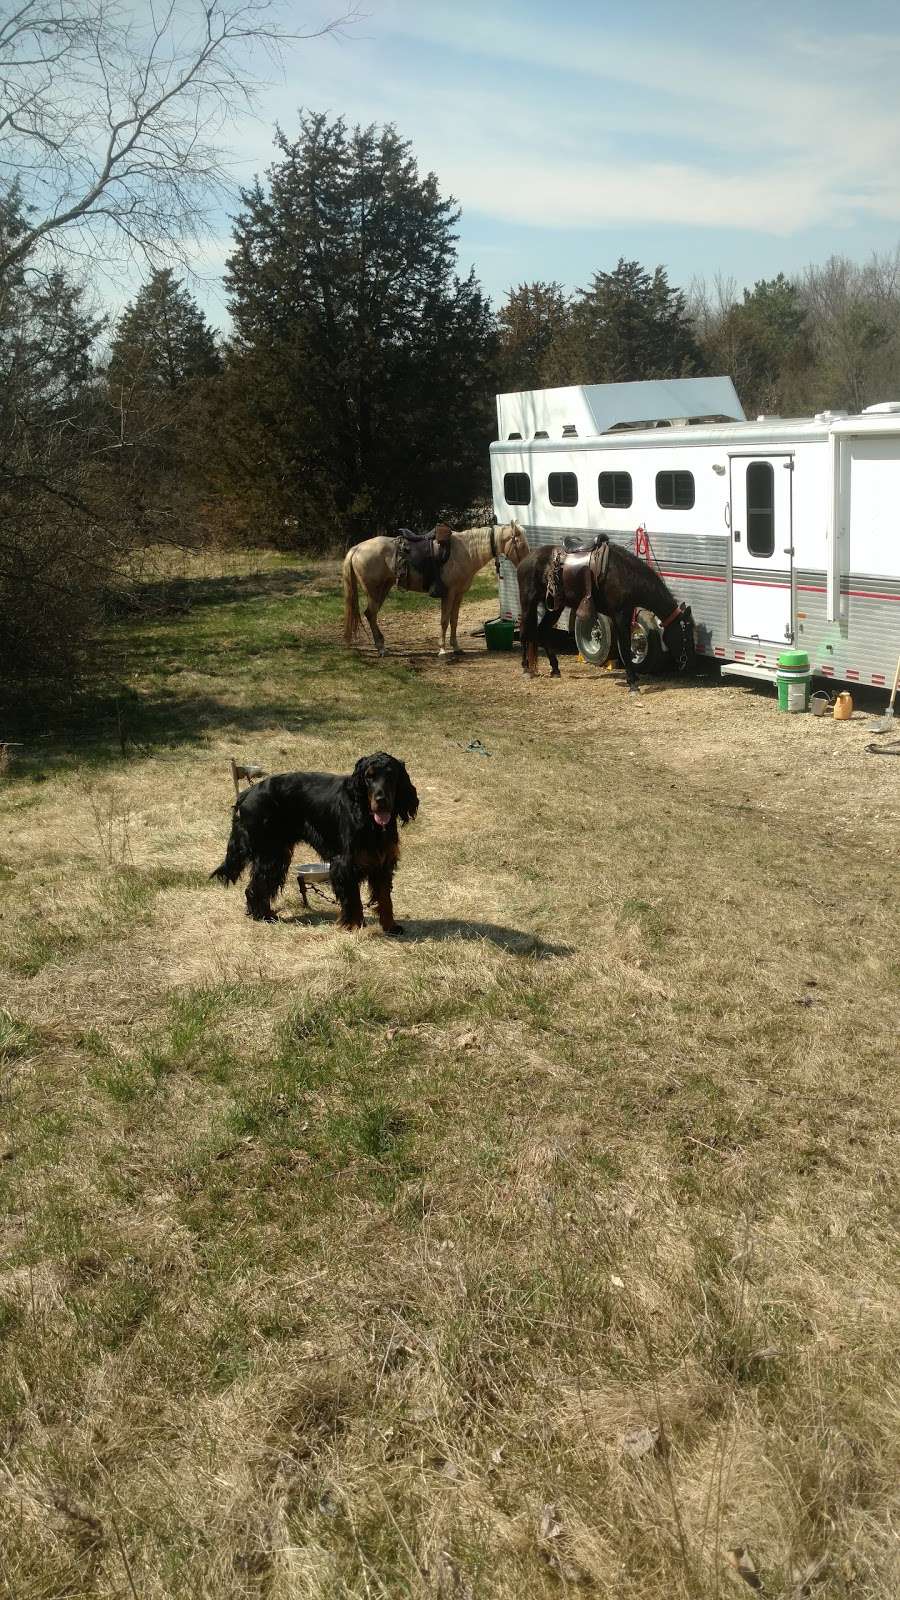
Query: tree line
355, 390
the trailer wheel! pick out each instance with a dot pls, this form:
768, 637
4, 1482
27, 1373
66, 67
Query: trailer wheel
595, 642
647, 654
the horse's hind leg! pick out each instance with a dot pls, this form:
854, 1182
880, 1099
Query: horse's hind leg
376, 601
528, 627
545, 636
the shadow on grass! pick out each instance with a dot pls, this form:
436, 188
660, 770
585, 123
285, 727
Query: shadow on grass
116, 727
160, 596
439, 930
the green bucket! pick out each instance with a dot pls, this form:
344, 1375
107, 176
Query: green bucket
793, 680
498, 635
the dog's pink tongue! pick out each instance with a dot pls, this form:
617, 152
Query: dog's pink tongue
382, 818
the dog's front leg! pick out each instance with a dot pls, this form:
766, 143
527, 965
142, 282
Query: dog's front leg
380, 884
345, 882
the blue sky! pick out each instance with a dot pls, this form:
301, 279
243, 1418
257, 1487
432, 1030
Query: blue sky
740, 139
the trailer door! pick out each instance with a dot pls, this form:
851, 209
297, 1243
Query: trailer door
761, 548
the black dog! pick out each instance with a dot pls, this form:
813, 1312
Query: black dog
351, 822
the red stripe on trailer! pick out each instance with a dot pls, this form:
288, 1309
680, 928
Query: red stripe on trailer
851, 673
826, 672
719, 651
739, 655
694, 577
858, 594
878, 677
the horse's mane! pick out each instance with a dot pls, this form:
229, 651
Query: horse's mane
644, 584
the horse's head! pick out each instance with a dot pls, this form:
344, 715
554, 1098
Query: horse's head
512, 543
678, 636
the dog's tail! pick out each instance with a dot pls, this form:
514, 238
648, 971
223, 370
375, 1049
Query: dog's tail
238, 853
352, 618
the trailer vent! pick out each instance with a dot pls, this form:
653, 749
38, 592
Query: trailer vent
513, 436
569, 431
542, 434
642, 426
884, 408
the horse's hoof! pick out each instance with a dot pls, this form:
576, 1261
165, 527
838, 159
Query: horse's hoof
396, 932
633, 688
556, 674
442, 651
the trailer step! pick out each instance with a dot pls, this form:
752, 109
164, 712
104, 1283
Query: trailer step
746, 669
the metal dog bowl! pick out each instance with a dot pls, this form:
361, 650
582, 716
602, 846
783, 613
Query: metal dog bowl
314, 871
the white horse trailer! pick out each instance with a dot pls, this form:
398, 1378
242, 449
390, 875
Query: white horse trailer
776, 532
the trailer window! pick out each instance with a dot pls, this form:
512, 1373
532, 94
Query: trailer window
675, 490
562, 487
760, 508
517, 489
614, 488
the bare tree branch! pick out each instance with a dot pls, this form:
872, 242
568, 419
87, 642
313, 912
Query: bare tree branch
111, 121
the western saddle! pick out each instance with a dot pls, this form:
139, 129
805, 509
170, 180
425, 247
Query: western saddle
423, 554
573, 575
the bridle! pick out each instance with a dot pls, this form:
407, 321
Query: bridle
514, 544
666, 622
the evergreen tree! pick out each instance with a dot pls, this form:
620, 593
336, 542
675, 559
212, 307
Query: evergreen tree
629, 325
763, 343
363, 359
54, 548
162, 358
531, 322
162, 340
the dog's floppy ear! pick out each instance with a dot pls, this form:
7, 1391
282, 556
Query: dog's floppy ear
357, 778
407, 799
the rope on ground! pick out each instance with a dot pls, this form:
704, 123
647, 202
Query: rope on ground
474, 747
890, 749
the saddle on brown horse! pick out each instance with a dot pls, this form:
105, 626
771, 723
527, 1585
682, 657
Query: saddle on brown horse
422, 554
573, 574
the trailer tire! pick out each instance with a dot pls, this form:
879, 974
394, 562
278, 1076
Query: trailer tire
594, 644
647, 653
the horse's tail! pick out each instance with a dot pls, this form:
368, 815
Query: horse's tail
352, 618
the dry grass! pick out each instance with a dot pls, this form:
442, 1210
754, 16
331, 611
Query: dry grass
550, 1251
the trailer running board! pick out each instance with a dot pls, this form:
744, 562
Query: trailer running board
746, 669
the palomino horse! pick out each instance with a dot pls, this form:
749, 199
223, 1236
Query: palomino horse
628, 583
371, 564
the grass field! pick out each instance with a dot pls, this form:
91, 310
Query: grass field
550, 1250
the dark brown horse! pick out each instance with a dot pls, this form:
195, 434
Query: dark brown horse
627, 583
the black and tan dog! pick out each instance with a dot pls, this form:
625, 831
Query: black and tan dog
351, 821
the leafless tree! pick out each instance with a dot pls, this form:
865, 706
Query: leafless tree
111, 115
855, 315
